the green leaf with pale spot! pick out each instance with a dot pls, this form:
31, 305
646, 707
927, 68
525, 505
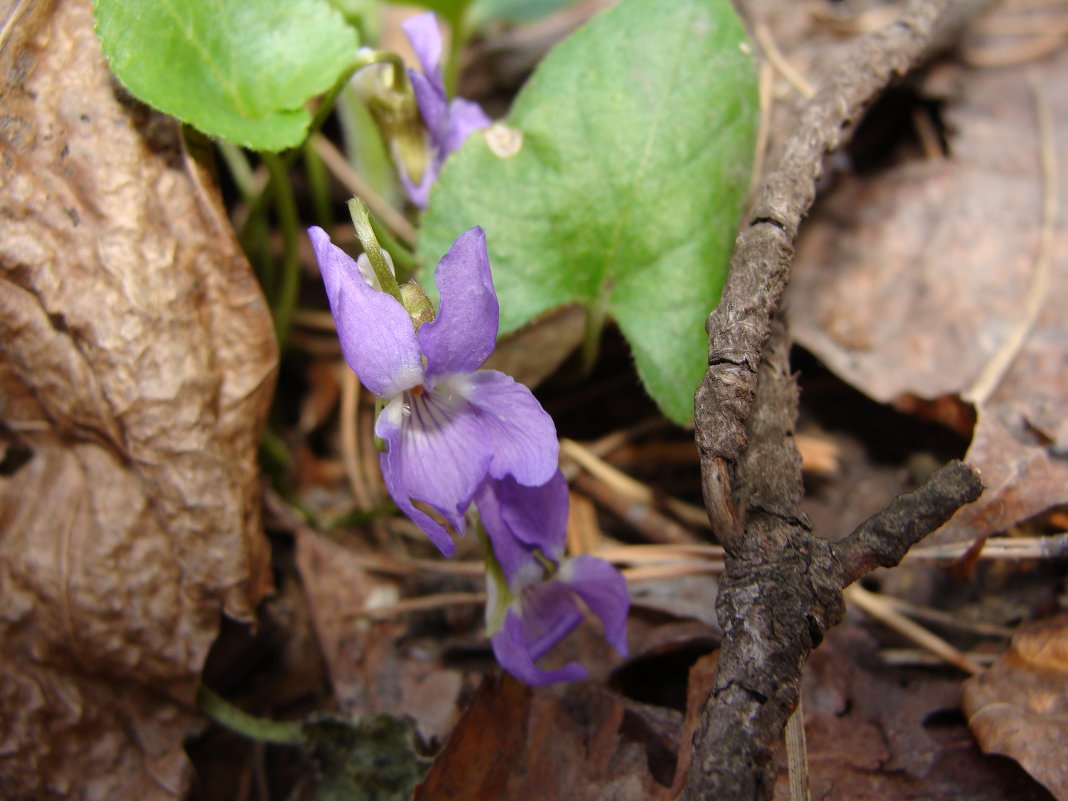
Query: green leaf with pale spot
240, 70
637, 137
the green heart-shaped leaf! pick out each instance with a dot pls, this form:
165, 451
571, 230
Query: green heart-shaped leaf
617, 182
240, 70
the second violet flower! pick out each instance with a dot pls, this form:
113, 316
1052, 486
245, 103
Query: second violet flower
448, 123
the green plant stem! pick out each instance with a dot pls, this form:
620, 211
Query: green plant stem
403, 258
286, 205
226, 714
258, 203
254, 236
362, 146
361, 220
274, 450
591, 340
364, 59
253, 232
494, 576
240, 170
343, 171
318, 185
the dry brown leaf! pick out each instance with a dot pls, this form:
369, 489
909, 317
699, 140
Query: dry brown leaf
371, 668
910, 281
532, 354
699, 684
876, 735
1019, 706
572, 743
137, 361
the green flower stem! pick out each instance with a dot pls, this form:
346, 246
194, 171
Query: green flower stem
365, 58
240, 170
286, 205
255, 242
257, 201
364, 149
403, 258
275, 448
380, 444
494, 576
253, 230
226, 714
318, 185
361, 219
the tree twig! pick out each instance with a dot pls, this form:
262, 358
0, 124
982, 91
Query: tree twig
782, 587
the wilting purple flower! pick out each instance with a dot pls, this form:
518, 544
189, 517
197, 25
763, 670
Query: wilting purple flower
448, 428
521, 521
448, 123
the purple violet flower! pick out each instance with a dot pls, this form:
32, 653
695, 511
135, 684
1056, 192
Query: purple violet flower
448, 123
449, 426
527, 527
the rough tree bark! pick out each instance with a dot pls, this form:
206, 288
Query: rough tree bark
783, 586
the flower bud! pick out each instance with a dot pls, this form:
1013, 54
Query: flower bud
416, 303
386, 91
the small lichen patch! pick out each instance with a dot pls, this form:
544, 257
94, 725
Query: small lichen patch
503, 141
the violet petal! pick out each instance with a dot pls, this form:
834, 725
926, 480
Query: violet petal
464, 333
433, 108
604, 591
513, 653
516, 431
419, 194
509, 551
376, 333
438, 453
464, 118
519, 519
425, 37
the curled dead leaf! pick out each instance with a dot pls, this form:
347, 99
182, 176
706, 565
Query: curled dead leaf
1019, 706
137, 361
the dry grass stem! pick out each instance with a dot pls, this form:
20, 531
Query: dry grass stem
671, 572
336, 162
782, 66
423, 603
631, 489
990, 378
350, 398
947, 619
914, 657
878, 607
1052, 547
1031, 49
648, 522
797, 754
315, 320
